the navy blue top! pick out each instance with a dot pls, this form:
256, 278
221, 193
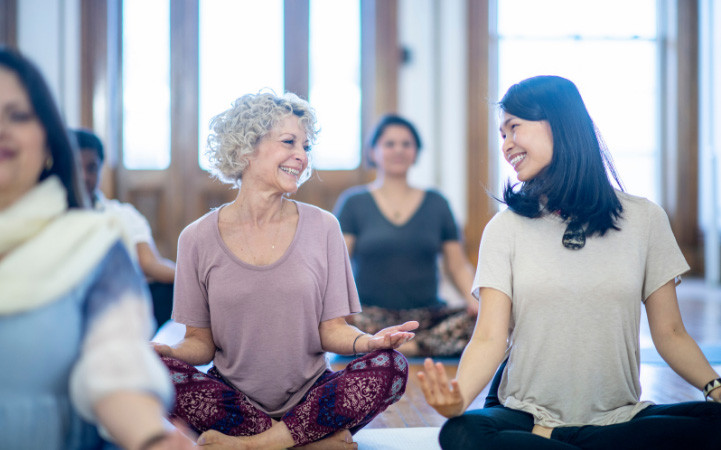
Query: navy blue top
396, 266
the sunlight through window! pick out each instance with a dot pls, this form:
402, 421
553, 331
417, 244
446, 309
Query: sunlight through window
335, 90
241, 51
146, 93
610, 51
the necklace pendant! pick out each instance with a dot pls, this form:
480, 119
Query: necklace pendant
574, 238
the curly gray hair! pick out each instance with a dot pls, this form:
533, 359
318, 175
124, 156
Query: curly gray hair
237, 131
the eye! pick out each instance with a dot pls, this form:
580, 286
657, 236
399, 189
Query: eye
307, 148
21, 116
289, 141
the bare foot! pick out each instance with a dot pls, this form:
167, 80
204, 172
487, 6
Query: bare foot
340, 440
215, 439
542, 431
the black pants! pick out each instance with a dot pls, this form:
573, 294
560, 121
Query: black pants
691, 425
162, 295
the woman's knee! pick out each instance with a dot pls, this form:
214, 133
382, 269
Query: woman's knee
388, 361
459, 433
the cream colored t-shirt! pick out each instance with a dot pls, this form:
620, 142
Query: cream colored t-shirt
574, 340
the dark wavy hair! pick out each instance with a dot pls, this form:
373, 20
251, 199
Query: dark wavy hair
57, 141
86, 139
380, 127
576, 183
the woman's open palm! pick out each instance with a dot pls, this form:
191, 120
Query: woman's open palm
444, 396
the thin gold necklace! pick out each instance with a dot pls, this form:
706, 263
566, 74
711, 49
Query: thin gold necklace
275, 237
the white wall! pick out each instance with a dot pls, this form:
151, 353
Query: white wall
49, 34
432, 93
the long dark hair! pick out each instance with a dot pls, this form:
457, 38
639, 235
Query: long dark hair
62, 151
576, 183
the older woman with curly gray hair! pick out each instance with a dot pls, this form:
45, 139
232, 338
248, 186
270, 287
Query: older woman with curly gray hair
263, 286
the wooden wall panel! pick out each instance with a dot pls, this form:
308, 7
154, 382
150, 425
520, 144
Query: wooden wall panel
8, 23
682, 177
480, 208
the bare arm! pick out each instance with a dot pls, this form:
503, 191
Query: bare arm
196, 348
673, 342
132, 418
459, 268
153, 265
337, 336
480, 359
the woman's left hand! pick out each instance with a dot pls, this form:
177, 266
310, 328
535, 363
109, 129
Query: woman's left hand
392, 337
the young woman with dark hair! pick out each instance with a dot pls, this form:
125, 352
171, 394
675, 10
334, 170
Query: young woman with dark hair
561, 278
60, 160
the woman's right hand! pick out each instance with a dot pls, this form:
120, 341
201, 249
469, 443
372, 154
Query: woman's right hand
444, 396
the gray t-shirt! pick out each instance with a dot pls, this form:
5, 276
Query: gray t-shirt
396, 266
574, 355
265, 319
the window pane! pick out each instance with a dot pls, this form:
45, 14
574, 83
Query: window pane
146, 84
553, 18
335, 90
241, 51
616, 77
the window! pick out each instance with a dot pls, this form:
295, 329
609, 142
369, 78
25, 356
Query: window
240, 50
335, 85
610, 51
146, 93
239, 54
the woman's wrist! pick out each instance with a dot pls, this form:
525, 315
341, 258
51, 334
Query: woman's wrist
716, 395
357, 344
712, 390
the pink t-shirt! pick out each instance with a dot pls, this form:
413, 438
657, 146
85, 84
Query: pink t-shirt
265, 319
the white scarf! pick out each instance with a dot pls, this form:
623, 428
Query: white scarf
48, 249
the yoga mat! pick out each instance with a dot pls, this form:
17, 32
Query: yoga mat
420, 438
649, 355
343, 359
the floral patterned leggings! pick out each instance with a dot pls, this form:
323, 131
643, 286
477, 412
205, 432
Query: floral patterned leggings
349, 398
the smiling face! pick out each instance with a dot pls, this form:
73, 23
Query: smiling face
280, 159
22, 140
395, 151
527, 145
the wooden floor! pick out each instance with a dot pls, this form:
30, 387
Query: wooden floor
701, 310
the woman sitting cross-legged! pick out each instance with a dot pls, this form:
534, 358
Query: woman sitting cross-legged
562, 275
263, 286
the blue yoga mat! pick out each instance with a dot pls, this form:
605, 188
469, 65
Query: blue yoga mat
343, 359
649, 355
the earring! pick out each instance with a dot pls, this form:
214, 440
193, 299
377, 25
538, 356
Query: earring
49, 163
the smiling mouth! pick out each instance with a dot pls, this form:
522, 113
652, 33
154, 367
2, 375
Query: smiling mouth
290, 171
516, 160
